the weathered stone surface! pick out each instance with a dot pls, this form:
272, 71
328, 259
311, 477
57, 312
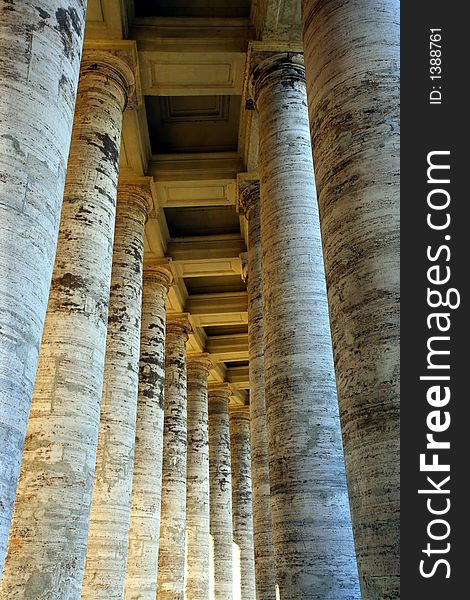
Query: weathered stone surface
144, 530
48, 538
197, 486
265, 569
111, 501
171, 556
242, 502
40, 49
220, 481
311, 523
352, 67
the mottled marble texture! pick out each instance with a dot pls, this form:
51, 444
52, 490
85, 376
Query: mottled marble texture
265, 569
111, 501
171, 556
352, 68
197, 485
220, 479
311, 522
144, 529
48, 538
40, 49
242, 503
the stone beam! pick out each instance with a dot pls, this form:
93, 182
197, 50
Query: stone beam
189, 34
218, 372
210, 247
191, 166
218, 309
229, 348
238, 377
239, 397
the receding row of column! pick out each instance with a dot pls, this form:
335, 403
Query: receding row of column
103, 450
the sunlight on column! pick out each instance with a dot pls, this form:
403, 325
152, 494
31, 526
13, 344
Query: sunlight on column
278, 593
211, 568
237, 576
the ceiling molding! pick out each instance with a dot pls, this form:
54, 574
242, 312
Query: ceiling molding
206, 192
192, 73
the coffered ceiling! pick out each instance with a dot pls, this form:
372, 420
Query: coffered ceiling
187, 139
192, 8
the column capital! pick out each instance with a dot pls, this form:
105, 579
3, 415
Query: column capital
178, 323
219, 390
111, 65
247, 193
159, 273
272, 67
240, 412
199, 362
138, 195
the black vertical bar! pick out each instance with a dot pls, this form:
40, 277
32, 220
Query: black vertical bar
434, 120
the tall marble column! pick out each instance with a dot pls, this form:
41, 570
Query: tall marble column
171, 556
144, 529
111, 501
220, 494
197, 490
352, 66
265, 569
48, 538
40, 49
311, 522
242, 501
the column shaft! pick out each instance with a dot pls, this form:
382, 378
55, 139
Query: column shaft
50, 523
171, 557
265, 568
352, 68
311, 523
144, 530
197, 499
111, 501
220, 480
242, 501
40, 48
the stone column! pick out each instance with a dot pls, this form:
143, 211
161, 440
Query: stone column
220, 482
352, 68
50, 523
144, 530
265, 570
311, 523
111, 501
171, 556
197, 490
40, 48
242, 501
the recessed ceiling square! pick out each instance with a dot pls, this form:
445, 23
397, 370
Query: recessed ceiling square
193, 123
205, 220
192, 8
226, 329
214, 285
